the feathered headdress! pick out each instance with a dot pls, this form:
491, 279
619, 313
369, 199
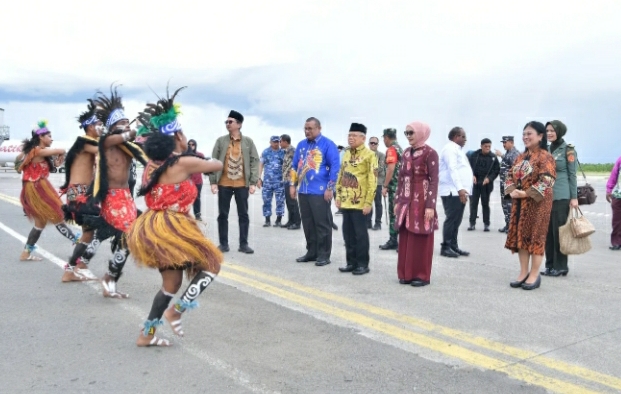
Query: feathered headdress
41, 128
88, 117
110, 109
162, 116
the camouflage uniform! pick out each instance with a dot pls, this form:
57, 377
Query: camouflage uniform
507, 162
273, 181
393, 156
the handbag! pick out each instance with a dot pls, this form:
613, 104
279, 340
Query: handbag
570, 244
586, 193
580, 226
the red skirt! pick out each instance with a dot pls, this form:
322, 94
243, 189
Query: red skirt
119, 209
415, 255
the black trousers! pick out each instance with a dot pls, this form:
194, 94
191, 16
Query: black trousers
454, 214
317, 224
558, 217
225, 194
378, 207
293, 210
356, 237
197, 202
483, 192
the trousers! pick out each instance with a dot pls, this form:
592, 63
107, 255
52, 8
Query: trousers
317, 225
197, 203
356, 237
482, 192
270, 190
293, 208
378, 207
225, 193
454, 214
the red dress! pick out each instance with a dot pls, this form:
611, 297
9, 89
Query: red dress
417, 191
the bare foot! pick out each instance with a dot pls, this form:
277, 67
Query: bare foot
27, 256
151, 340
72, 276
174, 319
109, 288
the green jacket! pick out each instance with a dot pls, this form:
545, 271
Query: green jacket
251, 159
566, 184
381, 169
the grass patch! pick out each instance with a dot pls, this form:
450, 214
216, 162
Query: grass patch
597, 168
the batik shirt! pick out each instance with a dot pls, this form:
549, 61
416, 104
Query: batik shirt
505, 165
357, 183
272, 161
315, 166
287, 163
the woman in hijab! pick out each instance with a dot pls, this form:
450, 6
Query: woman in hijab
415, 207
565, 196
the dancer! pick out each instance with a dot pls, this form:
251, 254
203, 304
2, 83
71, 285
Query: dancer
166, 236
111, 186
38, 197
79, 175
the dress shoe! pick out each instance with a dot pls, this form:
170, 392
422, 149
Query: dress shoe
532, 286
347, 268
286, 225
277, 224
369, 225
305, 259
419, 283
503, 230
390, 245
404, 282
486, 228
471, 227
448, 252
224, 248
321, 263
518, 283
361, 271
546, 272
459, 251
377, 226
334, 226
245, 249
615, 247
294, 227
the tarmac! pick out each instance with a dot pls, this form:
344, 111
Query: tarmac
271, 325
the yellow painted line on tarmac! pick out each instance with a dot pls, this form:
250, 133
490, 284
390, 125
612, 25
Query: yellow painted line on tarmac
521, 354
10, 199
519, 372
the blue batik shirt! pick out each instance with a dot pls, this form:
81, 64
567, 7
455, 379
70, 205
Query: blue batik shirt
272, 165
316, 166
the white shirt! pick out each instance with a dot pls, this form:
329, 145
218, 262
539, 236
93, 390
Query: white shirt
455, 171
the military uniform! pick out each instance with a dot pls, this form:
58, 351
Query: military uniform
393, 156
505, 165
272, 161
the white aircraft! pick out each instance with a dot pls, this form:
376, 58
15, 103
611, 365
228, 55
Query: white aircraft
11, 148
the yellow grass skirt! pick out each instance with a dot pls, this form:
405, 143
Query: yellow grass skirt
172, 240
40, 201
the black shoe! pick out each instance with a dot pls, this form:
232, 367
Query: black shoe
555, 273
615, 247
518, 283
419, 283
286, 225
305, 259
505, 230
267, 223
390, 245
486, 228
459, 251
339, 212
404, 282
277, 224
546, 272
448, 252
245, 249
377, 226
369, 225
198, 217
361, 271
532, 286
471, 227
321, 263
347, 268
224, 248
294, 227
334, 226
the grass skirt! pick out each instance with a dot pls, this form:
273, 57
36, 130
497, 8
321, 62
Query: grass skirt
171, 240
40, 201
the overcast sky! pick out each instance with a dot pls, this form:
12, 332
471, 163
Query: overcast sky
488, 66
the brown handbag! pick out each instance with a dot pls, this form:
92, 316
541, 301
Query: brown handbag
580, 226
586, 193
569, 244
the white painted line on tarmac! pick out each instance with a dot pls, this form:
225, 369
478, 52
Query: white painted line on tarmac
223, 367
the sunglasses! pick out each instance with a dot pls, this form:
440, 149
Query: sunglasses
228, 122
372, 143
408, 133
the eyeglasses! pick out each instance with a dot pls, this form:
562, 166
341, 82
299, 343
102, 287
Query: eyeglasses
228, 122
372, 143
408, 133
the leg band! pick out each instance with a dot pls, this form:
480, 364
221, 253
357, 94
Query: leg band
116, 263
90, 251
198, 285
33, 237
67, 233
78, 251
150, 325
160, 303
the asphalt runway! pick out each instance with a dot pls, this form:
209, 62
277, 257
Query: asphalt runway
271, 325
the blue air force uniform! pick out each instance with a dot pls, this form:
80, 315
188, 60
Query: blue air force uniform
272, 161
